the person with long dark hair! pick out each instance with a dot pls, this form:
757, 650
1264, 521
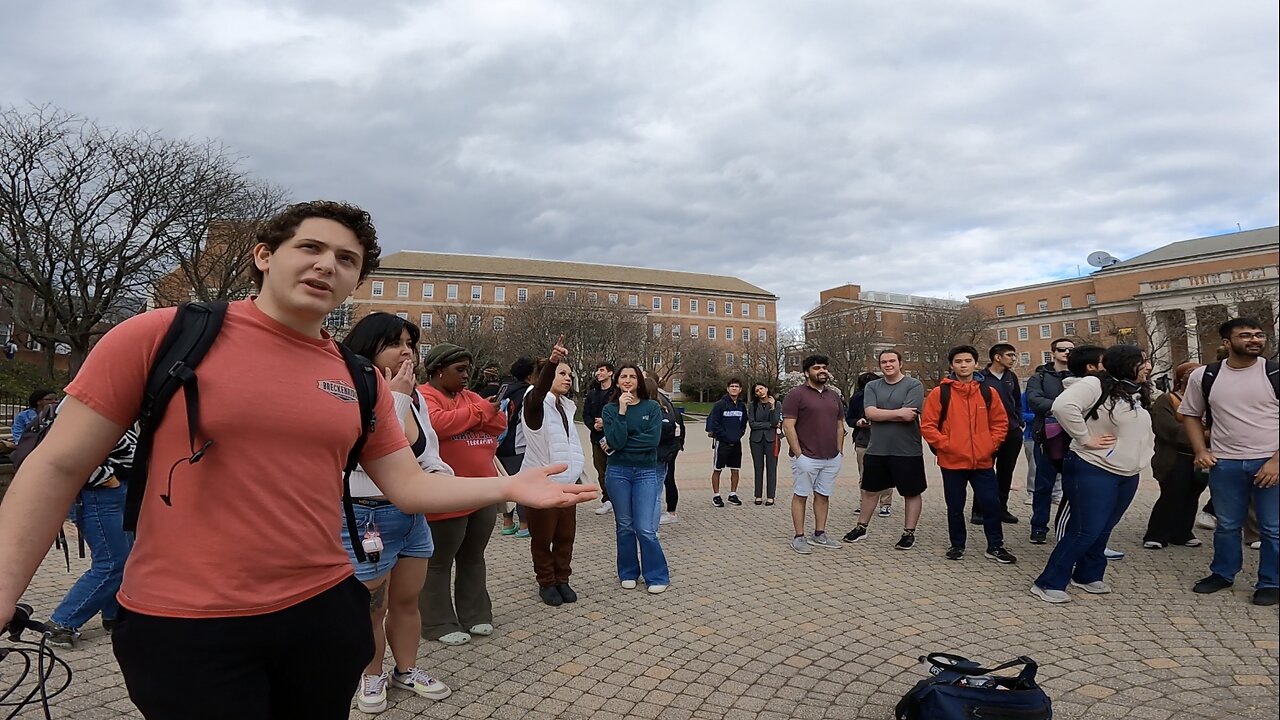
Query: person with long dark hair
394, 575
1106, 417
856, 418
764, 414
632, 430
1181, 484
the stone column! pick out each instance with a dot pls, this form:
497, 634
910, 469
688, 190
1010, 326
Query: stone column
1233, 309
1193, 334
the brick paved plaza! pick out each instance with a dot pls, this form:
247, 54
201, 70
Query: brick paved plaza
750, 629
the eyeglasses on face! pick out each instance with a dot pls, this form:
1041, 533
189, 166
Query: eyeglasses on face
1063, 349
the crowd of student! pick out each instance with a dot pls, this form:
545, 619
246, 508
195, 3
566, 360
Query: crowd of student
209, 580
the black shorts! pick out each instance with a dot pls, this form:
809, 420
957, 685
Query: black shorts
901, 472
728, 455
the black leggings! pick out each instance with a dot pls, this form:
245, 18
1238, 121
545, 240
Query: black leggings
673, 493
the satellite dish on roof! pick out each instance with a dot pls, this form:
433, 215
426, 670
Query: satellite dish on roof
1102, 259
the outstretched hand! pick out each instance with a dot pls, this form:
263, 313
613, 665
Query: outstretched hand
532, 488
559, 352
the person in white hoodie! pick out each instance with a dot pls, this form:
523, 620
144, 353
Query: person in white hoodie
549, 436
1111, 443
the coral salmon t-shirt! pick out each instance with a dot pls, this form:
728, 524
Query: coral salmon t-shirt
255, 525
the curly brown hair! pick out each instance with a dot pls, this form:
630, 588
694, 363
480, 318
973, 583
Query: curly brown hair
284, 225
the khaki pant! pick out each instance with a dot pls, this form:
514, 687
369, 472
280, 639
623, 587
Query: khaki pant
886, 497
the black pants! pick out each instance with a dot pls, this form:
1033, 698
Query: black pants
302, 662
765, 464
600, 460
673, 492
1006, 461
1174, 514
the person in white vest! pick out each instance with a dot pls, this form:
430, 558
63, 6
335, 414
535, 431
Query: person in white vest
549, 434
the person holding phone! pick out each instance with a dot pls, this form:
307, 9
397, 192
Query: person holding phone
632, 429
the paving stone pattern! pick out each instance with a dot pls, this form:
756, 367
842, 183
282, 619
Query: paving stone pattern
750, 629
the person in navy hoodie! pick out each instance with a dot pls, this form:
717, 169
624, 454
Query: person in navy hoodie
726, 425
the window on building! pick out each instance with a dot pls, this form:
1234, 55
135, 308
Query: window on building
999, 311
879, 316
693, 331
746, 335
500, 294
1095, 327
402, 315
729, 359
451, 321
423, 350
633, 301
475, 322
711, 307
1090, 299
760, 311
1024, 333
711, 332
1020, 309
499, 323
1042, 306
762, 335
728, 333
573, 295
657, 302
475, 293
1002, 335
428, 291
548, 294
657, 359
613, 298
746, 360
675, 304
693, 306
1046, 332
746, 309
402, 289
593, 297
376, 288
1066, 302
424, 320
1046, 357
657, 329
522, 294
1069, 329
675, 385
451, 292
675, 331
1024, 358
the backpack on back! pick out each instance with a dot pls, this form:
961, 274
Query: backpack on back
33, 435
193, 331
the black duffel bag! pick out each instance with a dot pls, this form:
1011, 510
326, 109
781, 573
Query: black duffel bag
960, 689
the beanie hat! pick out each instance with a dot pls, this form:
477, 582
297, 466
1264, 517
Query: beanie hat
444, 354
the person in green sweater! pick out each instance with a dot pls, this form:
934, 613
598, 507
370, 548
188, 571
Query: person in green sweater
632, 428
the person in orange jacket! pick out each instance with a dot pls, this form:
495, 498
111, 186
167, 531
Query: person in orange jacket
964, 423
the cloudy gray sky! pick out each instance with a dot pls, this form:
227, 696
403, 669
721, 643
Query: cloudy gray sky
938, 147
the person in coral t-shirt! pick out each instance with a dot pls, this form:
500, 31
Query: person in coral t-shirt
468, 426
238, 599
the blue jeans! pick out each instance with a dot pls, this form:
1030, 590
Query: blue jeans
955, 484
634, 492
1042, 494
101, 524
1099, 500
1231, 486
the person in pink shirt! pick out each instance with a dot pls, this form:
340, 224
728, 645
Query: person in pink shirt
468, 426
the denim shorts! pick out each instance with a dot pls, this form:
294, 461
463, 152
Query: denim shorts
402, 536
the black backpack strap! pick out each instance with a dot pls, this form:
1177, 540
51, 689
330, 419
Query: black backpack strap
965, 666
190, 335
365, 379
1206, 386
1273, 374
944, 397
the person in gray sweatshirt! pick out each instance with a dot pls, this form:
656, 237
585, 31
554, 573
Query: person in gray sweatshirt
1111, 443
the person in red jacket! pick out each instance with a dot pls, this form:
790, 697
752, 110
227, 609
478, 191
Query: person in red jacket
468, 426
964, 423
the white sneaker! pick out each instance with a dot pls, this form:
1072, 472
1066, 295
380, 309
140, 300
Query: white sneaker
1029, 501
1112, 554
1050, 596
667, 518
1097, 587
628, 584
1153, 545
419, 683
655, 589
1205, 521
455, 638
605, 508
1255, 545
886, 510
373, 694
1193, 542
